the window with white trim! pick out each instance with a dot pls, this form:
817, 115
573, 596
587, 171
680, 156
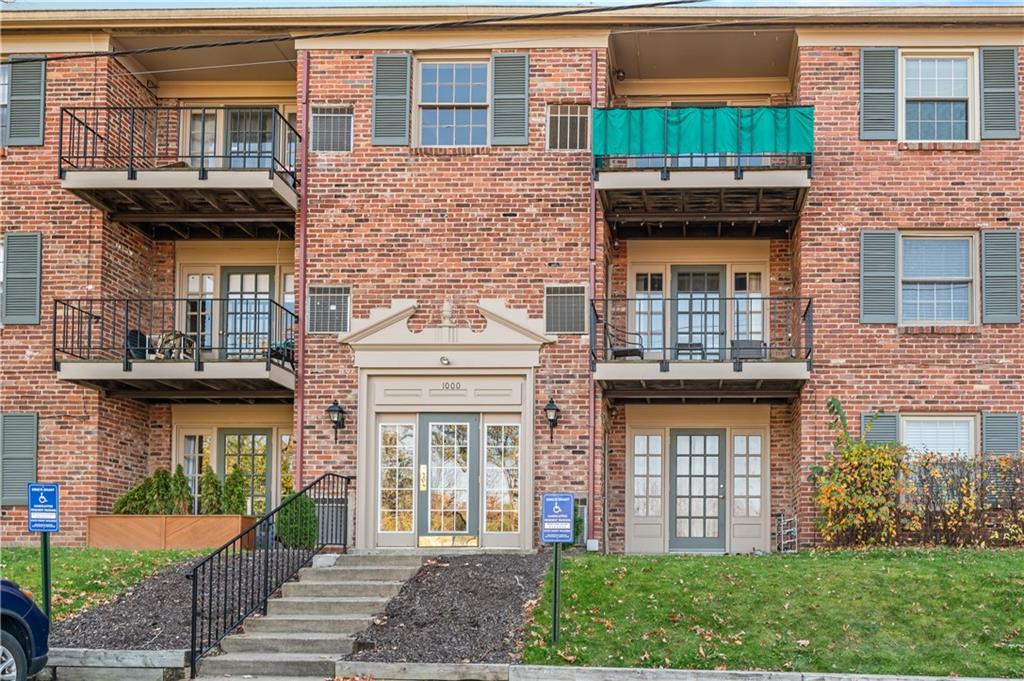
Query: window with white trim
328, 308
939, 104
501, 478
453, 103
948, 435
330, 128
5, 100
647, 490
397, 461
565, 309
568, 127
747, 475
937, 279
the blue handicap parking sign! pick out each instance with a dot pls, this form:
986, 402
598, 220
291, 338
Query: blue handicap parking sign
556, 518
43, 507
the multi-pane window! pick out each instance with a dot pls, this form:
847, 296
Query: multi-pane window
453, 104
195, 457
448, 469
5, 97
397, 456
331, 128
199, 308
649, 310
286, 464
748, 306
937, 104
747, 476
937, 279
939, 434
647, 476
568, 127
202, 137
249, 452
565, 309
697, 479
501, 482
328, 309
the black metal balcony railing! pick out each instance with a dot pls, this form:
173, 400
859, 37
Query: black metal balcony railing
193, 330
702, 327
203, 138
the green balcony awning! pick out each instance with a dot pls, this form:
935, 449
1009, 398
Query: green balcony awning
704, 131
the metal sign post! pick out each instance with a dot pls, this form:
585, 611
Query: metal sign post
44, 517
556, 527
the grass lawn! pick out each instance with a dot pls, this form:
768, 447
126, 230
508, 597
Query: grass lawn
83, 577
935, 612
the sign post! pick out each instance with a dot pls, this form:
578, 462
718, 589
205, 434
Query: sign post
557, 518
44, 517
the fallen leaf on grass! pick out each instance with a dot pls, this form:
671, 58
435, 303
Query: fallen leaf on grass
566, 656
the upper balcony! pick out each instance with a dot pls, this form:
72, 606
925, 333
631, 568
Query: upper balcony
184, 172
703, 172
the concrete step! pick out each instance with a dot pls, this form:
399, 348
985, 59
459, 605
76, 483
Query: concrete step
296, 624
268, 664
325, 606
359, 573
321, 644
311, 589
249, 677
379, 560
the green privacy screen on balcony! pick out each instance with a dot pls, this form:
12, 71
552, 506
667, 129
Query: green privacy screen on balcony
704, 131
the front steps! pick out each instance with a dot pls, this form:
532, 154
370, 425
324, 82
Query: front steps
315, 620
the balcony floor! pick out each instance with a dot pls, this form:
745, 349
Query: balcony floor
701, 382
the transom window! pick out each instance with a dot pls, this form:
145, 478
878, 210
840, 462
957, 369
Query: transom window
453, 104
937, 98
937, 279
949, 435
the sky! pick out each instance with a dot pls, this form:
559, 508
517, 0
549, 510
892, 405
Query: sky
207, 4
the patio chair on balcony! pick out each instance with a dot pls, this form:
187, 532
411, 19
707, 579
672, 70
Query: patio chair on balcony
284, 351
749, 349
691, 351
623, 344
136, 345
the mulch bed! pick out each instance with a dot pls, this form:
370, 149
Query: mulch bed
462, 608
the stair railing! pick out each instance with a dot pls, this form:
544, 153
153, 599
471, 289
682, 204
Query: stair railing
238, 578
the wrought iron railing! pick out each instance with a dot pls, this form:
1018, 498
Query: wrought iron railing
193, 330
238, 578
702, 327
203, 138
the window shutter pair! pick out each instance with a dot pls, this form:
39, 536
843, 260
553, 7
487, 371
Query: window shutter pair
27, 102
1000, 433
879, 93
22, 277
392, 86
1000, 276
19, 438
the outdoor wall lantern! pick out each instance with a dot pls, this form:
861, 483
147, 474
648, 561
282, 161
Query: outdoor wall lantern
337, 414
552, 411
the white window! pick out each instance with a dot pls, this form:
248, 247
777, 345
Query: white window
937, 279
330, 128
939, 103
501, 482
195, 458
328, 309
452, 104
568, 127
649, 310
397, 461
950, 435
747, 475
565, 309
5, 97
647, 476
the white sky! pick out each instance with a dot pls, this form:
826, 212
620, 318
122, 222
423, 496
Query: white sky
198, 4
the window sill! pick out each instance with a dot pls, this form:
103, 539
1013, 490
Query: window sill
939, 330
450, 151
940, 146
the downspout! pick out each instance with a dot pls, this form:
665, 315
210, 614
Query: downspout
591, 406
300, 293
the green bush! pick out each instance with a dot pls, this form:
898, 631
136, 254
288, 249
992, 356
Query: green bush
209, 492
159, 499
233, 499
297, 524
180, 494
135, 501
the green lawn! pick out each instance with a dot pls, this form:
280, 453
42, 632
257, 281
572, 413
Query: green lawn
936, 612
83, 577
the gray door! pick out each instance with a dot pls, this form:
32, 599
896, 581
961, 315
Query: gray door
697, 482
249, 137
448, 497
698, 318
245, 319
250, 450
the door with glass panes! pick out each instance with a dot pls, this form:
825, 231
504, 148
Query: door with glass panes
250, 451
448, 472
246, 317
697, 487
698, 324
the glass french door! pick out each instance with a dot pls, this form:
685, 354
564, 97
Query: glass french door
448, 495
697, 480
245, 327
249, 137
649, 310
698, 325
195, 457
249, 450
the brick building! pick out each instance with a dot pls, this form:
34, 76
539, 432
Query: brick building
687, 249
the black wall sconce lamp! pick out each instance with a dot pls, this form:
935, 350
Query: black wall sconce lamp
552, 412
336, 412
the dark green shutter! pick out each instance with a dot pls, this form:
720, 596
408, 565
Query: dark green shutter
22, 266
1000, 98
27, 105
18, 444
884, 427
1000, 433
391, 86
878, 93
1000, 276
878, 276
510, 98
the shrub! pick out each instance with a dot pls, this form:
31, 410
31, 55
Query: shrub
159, 499
135, 501
180, 494
297, 524
209, 492
233, 497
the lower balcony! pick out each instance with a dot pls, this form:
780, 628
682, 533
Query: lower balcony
216, 350
702, 348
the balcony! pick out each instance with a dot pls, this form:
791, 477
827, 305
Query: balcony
239, 349
184, 172
703, 172
700, 348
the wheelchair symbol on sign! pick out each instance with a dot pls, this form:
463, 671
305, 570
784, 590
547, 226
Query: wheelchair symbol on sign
556, 509
42, 498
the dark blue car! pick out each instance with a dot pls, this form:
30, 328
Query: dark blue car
26, 633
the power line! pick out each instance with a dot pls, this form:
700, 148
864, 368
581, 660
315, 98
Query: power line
388, 28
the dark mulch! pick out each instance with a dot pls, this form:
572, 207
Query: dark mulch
457, 609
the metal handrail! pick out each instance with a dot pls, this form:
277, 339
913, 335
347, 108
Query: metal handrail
238, 578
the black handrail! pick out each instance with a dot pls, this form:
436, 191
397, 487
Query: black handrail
237, 579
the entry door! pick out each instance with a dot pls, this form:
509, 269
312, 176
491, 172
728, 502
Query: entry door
249, 137
699, 312
697, 517
245, 324
249, 450
448, 497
